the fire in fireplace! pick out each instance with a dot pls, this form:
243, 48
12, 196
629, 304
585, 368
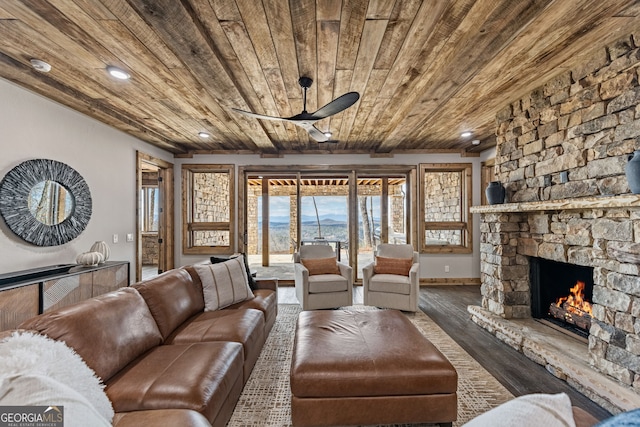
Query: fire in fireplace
574, 308
561, 293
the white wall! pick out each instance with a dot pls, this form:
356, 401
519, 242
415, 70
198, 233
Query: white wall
34, 127
431, 265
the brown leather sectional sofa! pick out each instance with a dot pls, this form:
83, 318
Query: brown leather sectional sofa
164, 360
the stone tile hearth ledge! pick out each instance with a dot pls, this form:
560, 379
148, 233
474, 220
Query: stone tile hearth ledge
602, 202
563, 356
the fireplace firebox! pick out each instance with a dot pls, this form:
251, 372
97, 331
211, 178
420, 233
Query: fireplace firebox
561, 294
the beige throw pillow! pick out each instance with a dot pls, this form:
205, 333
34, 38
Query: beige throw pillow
224, 283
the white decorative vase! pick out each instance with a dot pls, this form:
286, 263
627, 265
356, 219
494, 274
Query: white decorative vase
103, 248
89, 258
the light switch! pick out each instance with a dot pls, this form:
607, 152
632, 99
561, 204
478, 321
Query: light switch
129, 237
115, 238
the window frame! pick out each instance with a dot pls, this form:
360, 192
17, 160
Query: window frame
466, 223
189, 227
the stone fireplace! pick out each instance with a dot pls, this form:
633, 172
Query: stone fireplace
561, 154
568, 231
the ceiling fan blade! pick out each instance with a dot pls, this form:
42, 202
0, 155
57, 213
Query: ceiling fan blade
341, 103
314, 132
259, 116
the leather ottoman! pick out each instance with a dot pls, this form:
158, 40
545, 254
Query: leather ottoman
368, 367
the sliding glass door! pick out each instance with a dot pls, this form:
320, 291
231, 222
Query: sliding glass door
271, 226
349, 210
382, 214
324, 211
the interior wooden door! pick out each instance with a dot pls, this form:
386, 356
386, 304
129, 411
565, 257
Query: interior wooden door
164, 202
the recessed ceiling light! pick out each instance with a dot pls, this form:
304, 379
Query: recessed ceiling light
203, 135
476, 142
118, 73
466, 134
39, 65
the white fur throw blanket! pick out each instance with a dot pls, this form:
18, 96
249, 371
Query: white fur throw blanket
30, 355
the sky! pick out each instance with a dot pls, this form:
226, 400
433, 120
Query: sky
327, 206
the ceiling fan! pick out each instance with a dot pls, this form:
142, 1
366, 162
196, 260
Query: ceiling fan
306, 120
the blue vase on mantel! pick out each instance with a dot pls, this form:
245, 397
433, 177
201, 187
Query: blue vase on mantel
495, 193
632, 171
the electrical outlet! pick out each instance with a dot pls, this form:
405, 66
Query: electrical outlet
129, 237
115, 238
446, 268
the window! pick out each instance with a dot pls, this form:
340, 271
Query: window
445, 194
208, 209
149, 203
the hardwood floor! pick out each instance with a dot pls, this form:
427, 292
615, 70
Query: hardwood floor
447, 306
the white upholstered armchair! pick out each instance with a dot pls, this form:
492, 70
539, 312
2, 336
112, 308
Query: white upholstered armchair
393, 280
322, 282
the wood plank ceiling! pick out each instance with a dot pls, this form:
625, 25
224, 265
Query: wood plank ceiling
425, 70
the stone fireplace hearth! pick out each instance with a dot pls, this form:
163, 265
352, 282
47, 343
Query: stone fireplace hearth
594, 232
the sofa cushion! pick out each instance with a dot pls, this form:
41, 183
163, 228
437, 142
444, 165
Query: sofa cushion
172, 298
200, 376
224, 283
161, 417
264, 300
327, 283
242, 326
399, 266
107, 331
390, 283
318, 266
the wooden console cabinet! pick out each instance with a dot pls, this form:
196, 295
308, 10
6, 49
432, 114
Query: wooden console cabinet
24, 298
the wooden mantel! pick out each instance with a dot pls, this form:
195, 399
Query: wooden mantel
603, 202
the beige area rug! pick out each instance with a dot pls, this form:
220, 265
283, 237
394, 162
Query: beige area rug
265, 400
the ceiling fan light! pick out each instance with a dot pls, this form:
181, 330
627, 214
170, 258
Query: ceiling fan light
203, 135
466, 134
328, 134
40, 65
118, 73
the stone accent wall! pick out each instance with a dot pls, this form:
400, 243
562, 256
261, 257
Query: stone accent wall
397, 209
211, 204
504, 274
571, 139
583, 122
253, 193
149, 248
443, 190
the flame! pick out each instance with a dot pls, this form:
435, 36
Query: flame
575, 302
